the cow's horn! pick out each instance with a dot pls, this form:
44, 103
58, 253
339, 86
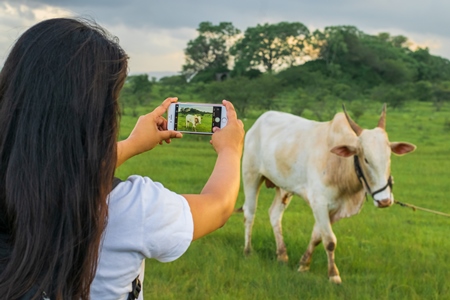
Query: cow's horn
382, 121
352, 123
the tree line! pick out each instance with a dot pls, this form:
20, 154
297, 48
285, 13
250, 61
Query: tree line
284, 65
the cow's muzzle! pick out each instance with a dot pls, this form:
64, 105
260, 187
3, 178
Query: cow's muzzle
383, 203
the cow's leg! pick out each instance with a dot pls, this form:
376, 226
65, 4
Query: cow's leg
315, 240
280, 203
333, 272
330, 243
252, 182
329, 240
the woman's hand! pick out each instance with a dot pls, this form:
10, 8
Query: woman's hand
149, 131
232, 135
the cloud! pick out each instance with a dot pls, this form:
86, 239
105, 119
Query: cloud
155, 32
420, 16
15, 18
156, 50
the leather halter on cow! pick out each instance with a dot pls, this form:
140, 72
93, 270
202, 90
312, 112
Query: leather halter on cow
358, 169
363, 179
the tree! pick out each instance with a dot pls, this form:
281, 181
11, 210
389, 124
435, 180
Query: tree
438, 93
398, 41
210, 50
323, 104
396, 71
235, 89
334, 42
302, 101
367, 59
344, 92
173, 81
394, 95
270, 46
135, 92
423, 90
430, 67
441, 94
244, 92
310, 74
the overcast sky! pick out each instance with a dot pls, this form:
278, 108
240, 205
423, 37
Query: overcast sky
155, 32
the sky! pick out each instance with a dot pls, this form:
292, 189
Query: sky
155, 33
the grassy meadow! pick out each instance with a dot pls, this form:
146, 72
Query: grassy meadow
393, 253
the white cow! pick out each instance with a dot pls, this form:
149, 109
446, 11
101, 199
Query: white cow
194, 120
332, 165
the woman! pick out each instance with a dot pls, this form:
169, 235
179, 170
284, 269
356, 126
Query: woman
58, 128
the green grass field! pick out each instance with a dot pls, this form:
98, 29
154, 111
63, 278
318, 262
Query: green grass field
392, 253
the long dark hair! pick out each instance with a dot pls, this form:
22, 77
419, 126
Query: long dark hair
58, 128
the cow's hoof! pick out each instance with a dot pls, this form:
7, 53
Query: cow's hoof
335, 279
303, 268
283, 258
247, 251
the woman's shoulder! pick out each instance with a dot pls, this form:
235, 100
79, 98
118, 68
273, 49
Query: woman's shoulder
140, 194
134, 184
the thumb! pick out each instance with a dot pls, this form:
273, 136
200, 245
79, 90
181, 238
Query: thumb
170, 134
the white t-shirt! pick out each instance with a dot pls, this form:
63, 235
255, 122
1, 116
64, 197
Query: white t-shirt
145, 220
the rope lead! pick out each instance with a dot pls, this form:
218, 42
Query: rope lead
414, 208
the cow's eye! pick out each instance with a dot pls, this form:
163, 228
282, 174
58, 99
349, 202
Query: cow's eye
365, 159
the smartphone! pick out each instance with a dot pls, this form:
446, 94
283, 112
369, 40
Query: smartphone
196, 118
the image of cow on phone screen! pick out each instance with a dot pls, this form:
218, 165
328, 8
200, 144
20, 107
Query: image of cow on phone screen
195, 118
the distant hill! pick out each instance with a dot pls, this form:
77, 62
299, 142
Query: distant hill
159, 75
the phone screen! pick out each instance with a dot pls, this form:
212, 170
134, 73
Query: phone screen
197, 118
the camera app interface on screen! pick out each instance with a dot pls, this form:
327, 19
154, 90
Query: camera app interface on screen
197, 118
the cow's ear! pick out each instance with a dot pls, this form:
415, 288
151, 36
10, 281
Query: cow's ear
344, 151
401, 148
